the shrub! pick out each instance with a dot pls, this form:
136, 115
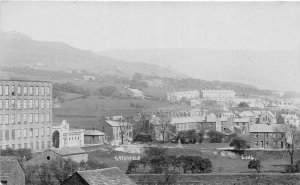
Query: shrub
255, 164
291, 168
298, 166
215, 136
238, 143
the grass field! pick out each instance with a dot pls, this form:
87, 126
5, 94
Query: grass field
221, 164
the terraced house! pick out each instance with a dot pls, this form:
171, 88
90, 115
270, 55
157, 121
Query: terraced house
25, 114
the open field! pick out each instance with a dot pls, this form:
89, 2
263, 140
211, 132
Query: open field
221, 164
83, 113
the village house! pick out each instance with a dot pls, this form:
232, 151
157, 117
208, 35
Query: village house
291, 119
267, 136
94, 137
115, 128
75, 153
11, 171
177, 96
106, 176
135, 93
267, 117
218, 95
242, 125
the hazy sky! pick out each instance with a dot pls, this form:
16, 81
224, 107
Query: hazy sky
138, 25
104, 26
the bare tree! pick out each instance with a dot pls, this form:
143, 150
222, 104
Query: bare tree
162, 125
125, 127
291, 138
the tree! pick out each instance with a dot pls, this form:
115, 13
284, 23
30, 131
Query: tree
62, 169
238, 143
162, 125
255, 164
291, 138
243, 105
215, 136
21, 153
124, 129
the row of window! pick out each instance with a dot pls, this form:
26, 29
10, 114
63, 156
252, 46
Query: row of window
25, 104
24, 133
24, 118
30, 146
31, 90
267, 135
265, 144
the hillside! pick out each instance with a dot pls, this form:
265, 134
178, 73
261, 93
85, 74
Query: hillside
263, 69
18, 50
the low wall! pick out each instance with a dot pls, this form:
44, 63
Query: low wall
220, 178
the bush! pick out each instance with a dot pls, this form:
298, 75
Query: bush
255, 164
238, 143
298, 166
215, 136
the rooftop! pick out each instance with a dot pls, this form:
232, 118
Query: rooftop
106, 176
68, 151
267, 128
93, 133
24, 80
7, 164
116, 123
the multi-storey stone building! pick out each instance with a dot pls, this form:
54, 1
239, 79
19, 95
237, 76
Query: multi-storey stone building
218, 95
25, 114
179, 95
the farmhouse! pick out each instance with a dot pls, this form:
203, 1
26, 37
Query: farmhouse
11, 171
106, 176
267, 136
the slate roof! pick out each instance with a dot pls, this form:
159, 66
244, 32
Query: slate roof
266, 128
106, 176
93, 133
241, 120
7, 164
68, 151
116, 123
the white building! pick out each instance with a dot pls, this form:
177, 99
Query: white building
291, 119
64, 136
218, 95
177, 96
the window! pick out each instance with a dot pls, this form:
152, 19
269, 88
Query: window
42, 104
1, 90
282, 134
19, 105
256, 135
43, 91
30, 90
42, 131
25, 90
25, 118
48, 117
13, 90
256, 143
48, 104
36, 104
31, 132
19, 118
25, 133
36, 132
6, 134
6, 104
36, 117
6, 90
267, 135
42, 118
19, 90
25, 104
6, 118
36, 90
1, 104
48, 131
31, 118
1, 119
12, 119
43, 145
48, 144
30, 104
267, 143
19, 133
12, 104
1, 135
31, 146
13, 134
25, 145
48, 91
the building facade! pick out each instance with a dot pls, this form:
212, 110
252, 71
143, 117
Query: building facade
64, 136
94, 137
218, 95
25, 114
179, 95
11, 171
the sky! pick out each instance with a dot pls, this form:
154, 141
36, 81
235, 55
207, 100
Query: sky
102, 26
